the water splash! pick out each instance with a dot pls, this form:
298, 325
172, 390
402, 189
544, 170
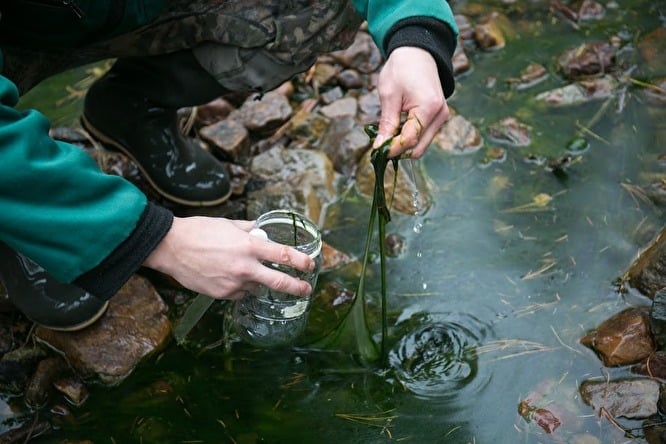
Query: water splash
417, 227
438, 358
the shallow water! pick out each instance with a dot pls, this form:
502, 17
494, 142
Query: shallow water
486, 305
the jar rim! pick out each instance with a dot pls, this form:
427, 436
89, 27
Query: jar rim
312, 248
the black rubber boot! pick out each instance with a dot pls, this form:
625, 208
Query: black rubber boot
132, 109
42, 298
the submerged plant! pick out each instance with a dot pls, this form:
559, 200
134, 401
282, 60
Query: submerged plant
353, 335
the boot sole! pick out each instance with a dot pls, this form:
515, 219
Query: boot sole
81, 325
113, 146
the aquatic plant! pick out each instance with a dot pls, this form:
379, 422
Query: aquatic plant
353, 334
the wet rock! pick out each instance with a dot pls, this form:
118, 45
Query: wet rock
340, 108
28, 429
17, 366
39, 386
333, 294
403, 197
134, 326
460, 61
653, 50
628, 398
307, 174
647, 273
229, 138
488, 34
622, 339
266, 114
6, 334
658, 319
587, 59
332, 259
394, 244
74, 390
654, 431
465, 28
344, 142
363, 55
579, 92
579, 10
458, 136
533, 74
510, 131
654, 366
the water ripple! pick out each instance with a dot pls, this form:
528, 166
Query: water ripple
438, 358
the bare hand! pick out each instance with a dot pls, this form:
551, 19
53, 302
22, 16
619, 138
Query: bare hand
219, 258
409, 82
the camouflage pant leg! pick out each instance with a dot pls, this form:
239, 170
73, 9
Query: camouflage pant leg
254, 44
249, 45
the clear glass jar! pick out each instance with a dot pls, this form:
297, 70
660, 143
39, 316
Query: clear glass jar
268, 318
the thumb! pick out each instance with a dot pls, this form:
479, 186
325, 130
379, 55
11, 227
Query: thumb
389, 121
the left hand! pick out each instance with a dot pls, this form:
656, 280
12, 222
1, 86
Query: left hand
409, 82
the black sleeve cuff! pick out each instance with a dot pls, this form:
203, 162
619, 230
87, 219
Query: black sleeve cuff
106, 279
432, 35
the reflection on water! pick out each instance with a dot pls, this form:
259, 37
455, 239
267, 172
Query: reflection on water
438, 357
501, 277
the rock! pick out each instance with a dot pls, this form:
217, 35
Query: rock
654, 431
340, 108
306, 174
654, 366
332, 95
229, 138
332, 294
622, 339
580, 92
48, 370
324, 73
17, 366
74, 390
579, 10
647, 273
363, 55
350, 79
212, 112
510, 131
488, 34
394, 244
458, 136
533, 74
465, 28
370, 106
460, 61
344, 143
658, 319
30, 428
628, 398
653, 50
306, 125
403, 198
586, 60
333, 258
266, 114
134, 326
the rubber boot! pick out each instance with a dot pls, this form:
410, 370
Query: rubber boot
42, 298
133, 109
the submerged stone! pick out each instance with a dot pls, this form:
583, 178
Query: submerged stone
510, 131
458, 136
587, 59
658, 319
580, 92
628, 398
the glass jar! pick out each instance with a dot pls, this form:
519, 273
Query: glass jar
268, 318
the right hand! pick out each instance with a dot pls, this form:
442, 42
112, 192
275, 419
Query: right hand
218, 257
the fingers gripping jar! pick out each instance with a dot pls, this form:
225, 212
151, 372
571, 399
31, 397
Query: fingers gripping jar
269, 318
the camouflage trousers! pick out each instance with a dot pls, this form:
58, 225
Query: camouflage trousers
251, 44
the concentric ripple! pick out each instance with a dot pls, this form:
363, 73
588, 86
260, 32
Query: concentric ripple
438, 358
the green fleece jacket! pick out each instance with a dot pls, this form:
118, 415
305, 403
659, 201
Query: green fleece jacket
94, 229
